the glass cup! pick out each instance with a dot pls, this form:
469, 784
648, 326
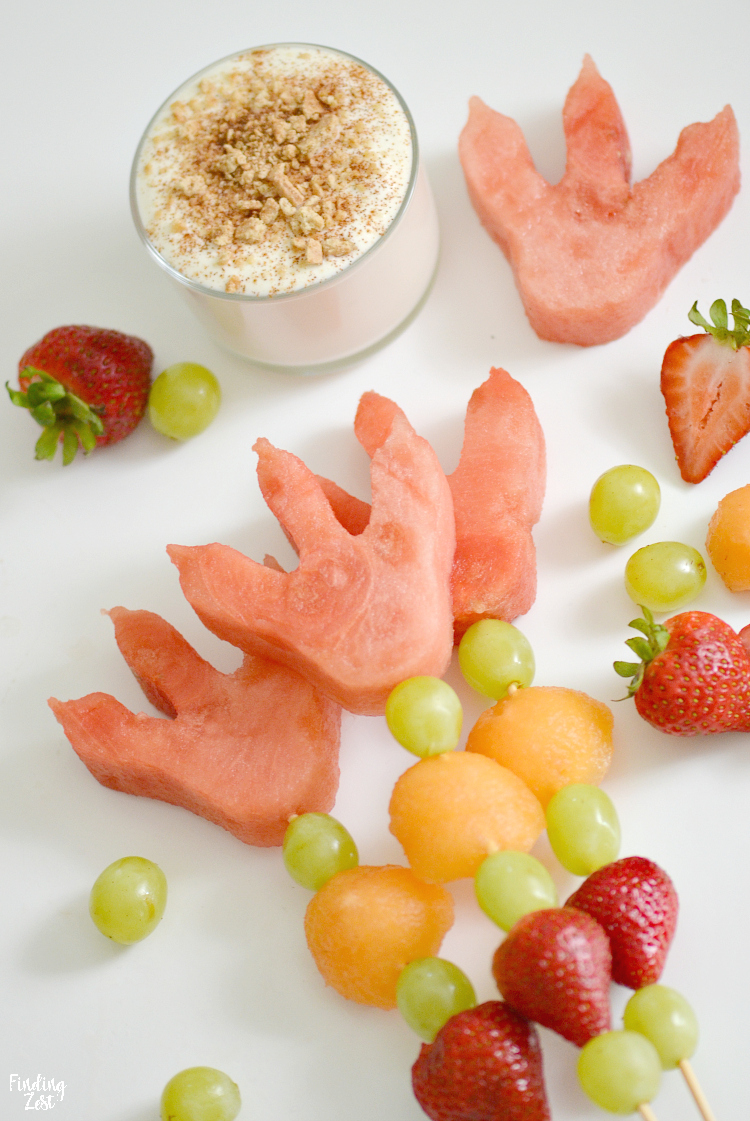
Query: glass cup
337, 320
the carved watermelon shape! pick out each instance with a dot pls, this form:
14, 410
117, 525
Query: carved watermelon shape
497, 487
360, 613
245, 750
498, 490
592, 254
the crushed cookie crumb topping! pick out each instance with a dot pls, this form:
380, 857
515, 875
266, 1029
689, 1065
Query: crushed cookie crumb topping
271, 167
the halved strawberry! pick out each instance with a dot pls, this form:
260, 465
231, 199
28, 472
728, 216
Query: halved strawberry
705, 380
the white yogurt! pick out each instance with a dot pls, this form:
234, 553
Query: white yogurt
281, 188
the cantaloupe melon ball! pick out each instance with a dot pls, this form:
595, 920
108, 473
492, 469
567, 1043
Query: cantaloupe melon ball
367, 923
728, 541
548, 736
451, 811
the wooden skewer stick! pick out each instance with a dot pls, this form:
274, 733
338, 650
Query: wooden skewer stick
646, 1112
695, 1089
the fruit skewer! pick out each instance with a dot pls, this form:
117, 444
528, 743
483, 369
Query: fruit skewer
694, 1086
669, 1022
620, 1071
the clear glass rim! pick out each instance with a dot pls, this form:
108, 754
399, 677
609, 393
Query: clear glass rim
297, 293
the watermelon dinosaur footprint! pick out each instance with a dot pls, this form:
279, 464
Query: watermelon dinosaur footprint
497, 488
245, 750
593, 254
360, 613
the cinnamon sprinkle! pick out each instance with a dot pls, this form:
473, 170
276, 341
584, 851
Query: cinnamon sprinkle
259, 162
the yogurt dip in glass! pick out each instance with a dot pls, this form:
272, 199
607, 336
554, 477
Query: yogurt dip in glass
281, 188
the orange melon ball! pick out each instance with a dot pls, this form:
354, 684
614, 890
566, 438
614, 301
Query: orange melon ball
367, 923
548, 736
728, 541
450, 811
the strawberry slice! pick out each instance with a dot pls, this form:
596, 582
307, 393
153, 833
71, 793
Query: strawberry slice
705, 380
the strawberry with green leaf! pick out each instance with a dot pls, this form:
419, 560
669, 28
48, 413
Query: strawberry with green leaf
693, 677
705, 380
86, 387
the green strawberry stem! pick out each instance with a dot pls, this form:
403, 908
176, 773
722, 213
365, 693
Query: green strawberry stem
656, 639
720, 329
60, 413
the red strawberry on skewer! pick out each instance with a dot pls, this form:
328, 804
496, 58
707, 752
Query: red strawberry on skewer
554, 968
636, 903
484, 1063
86, 387
705, 380
694, 674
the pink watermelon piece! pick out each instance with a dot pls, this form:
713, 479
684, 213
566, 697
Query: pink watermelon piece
498, 489
592, 254
350, 511
360, 613
245, 750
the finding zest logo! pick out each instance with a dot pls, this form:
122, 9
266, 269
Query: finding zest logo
40, 1093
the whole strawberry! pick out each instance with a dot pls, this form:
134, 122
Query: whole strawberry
694, 674
554, 967
86, 387
484, 1065
636, 903
705, 380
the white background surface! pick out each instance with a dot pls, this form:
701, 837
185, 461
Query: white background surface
226, 980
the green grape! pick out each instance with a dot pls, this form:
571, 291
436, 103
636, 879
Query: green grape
316, 847
665, 576
128, 899
183, 400
583, 828
424, 714
493, 655
510, 884
200, 1094
624, 502
665, 1017
431, 990
619, 1071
